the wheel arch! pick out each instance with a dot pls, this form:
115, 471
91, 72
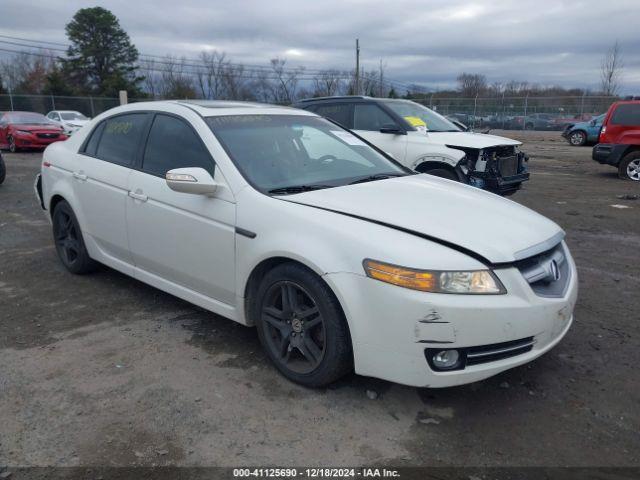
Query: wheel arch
267, 264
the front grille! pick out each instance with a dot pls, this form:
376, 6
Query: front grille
508, 166
498, 351
483, 353
545, 279
48, 135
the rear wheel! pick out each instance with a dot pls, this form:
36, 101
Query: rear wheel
69, 242
629, 168
301, 326
578, 138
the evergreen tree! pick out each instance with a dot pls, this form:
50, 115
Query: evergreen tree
101, 59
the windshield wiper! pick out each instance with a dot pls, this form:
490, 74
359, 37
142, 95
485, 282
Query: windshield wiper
379, 176
298, 189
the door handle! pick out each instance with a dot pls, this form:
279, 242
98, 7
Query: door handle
138, 196
80, 176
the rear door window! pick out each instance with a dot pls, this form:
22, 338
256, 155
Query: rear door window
626, 114
368, 116
172, 143
338, 112
120, 139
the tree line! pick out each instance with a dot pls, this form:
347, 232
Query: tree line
101, 60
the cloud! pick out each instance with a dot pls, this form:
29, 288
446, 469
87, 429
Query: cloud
426, 42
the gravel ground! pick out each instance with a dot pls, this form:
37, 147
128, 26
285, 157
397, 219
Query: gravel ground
104, 370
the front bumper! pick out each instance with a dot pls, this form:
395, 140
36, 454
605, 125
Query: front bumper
32, 141
391, 327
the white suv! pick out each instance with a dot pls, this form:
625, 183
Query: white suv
278, 218
427, 142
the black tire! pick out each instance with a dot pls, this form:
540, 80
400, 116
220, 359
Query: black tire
13, 148
629, 167
578, 138
68, 240
3, 169
443, 173
529, 126
301, 326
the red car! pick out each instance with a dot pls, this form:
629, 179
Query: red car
28, 130
619, 142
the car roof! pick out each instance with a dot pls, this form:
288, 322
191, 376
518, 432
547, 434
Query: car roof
212, 108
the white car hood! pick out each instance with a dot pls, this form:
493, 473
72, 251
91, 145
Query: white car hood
494, 228
469, 139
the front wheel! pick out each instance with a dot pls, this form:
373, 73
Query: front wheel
69, 242
629, 168
13, 148
301, 326
578, 138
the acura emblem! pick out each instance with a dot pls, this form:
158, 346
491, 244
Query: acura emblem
554, 271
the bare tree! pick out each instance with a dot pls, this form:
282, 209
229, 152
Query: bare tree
152, 79
176, 81
26, 73
471, 84
611, 71
285, 82
328, 83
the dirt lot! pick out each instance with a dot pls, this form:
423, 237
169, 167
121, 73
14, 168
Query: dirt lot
104, 370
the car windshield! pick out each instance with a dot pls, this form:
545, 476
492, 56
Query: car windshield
27, 118
72, 116
294, 153
417, 114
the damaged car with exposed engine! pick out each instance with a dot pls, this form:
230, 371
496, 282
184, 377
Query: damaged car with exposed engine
425, 141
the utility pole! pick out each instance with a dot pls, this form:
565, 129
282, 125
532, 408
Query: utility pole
357, 86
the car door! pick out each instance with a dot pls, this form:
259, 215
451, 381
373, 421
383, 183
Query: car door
100, 181
369, 119
178, 239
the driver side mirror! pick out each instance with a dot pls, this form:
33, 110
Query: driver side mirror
392, 129
192, 180
592, 123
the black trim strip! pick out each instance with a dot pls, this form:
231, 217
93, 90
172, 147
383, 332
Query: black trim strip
246, 233
440, 241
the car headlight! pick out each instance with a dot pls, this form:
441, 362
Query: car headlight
23, 132
475, 282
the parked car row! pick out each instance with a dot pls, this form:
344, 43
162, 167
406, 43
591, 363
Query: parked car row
341, 256
30, 130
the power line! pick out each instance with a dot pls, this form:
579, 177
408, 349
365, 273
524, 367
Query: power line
265, 71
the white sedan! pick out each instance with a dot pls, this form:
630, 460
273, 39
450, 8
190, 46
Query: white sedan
70, 120
342, 258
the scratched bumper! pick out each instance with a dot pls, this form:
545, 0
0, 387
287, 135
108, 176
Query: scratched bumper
391, 326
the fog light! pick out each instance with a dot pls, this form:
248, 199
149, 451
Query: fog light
446, 359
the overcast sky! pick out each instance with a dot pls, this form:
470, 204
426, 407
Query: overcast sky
428, 42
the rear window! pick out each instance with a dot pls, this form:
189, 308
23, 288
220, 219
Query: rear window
626, 114
338, 112
121, 137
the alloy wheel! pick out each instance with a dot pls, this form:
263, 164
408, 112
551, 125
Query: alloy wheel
66, 238
12, 145
633, 170
576, 139
294, 327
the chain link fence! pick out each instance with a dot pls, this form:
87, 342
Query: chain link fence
515, 113
89, 106
519, 113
